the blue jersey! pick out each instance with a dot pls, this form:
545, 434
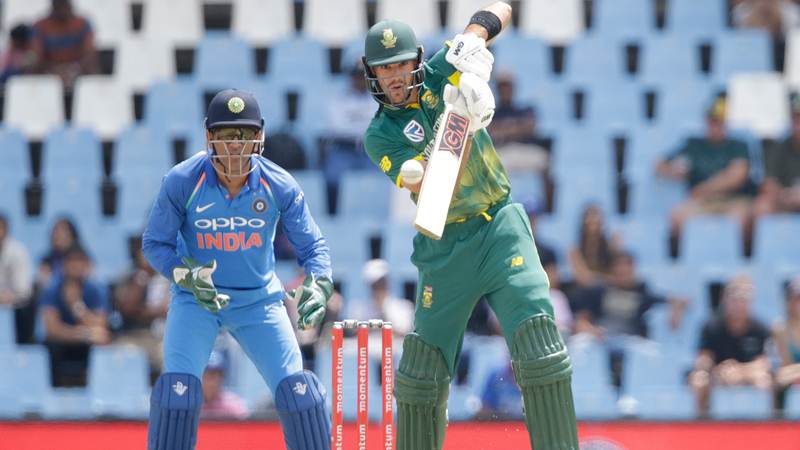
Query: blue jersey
195, 216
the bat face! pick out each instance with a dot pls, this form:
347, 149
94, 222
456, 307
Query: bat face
444, 165
455, 134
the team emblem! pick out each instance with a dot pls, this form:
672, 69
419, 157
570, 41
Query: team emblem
414, 131
389, 39
427, 297
386, 164
236, 105
259, 205
517, 261
430, 99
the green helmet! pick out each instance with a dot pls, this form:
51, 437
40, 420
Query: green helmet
390, 42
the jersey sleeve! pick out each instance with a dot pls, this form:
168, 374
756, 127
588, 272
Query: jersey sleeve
160, 238
441, 72
388, 155
301, 229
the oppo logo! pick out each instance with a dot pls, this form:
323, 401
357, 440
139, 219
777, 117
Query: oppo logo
228, 223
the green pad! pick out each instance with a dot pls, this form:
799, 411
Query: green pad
544, 372
422, 386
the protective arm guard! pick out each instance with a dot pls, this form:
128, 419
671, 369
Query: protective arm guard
422, 385
544, 373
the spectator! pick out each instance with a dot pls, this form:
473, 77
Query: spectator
75, 311
732, 347
218, 402
64, 43
514, 131
716, 169
615, 312
382, 304
787, 338
780, 190
501, 398
591, 259
19, 58
142, 299
16, 282
285, 150
63, 237
348, 116
764, 14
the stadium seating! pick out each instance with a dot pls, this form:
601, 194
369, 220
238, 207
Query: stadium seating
422, 15
692, 18
527, 187
224, 61
31, 368
140, 62
595, 60
348, 255
177, 23
261, 26
712, 243
645, 238
14, 174
34, 104
527, 59
757, 102
8, 336
23, 11
285, 68
111, 21
558, 22
775, 240
740, 51
668, 59
126, 393
459, 12
792, 64
624, 19
741, 402
174, 108
313, 186
103, 105
615, 106
364, 195
71, 173
397, 249
335, 23
792, 408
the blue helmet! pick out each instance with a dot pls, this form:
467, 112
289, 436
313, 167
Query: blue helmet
233, 108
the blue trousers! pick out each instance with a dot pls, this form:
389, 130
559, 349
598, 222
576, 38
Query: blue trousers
259, 323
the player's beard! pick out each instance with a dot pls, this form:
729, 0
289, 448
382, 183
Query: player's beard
233, 165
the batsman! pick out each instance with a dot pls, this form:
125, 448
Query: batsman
487, 247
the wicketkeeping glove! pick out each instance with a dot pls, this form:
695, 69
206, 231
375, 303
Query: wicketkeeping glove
196, 278
312, 298
468, 54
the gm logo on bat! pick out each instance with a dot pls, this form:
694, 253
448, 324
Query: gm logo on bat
455, 133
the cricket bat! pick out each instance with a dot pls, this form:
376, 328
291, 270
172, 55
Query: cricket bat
442, 173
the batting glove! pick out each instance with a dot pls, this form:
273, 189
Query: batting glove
312, 298
196, 278
473, 99
468, 54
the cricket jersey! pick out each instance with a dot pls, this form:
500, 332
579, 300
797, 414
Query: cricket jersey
396, 135
195, 216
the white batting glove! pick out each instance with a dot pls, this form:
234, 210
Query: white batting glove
473, 99
468, 54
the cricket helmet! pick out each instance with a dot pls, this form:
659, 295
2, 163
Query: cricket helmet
390, 42
235, 109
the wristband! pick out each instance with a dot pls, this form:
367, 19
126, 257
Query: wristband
489, 21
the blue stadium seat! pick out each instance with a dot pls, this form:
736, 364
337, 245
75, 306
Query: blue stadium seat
595, 61
617, 106
106, 241
665, 404
711, 243
645, 237
272, 101
741, 402
284, 64
682, 103
645, 146
670, 58
792, 407
249, 383
141, 151
627, 19
313, 185
578, 189
224, 60
8, 336
552, 100
34, 232
770, 280
397, 249
174, 108
775, 240
682, 341
527, 187
747, 50
31, 369
590, 361
348, 240
364, 195
14, 174
486, 353
118, 381
68, 404
654, 197
647, 365
680, 281
597, 403
706, 18
527, 58
582, 147
71, 151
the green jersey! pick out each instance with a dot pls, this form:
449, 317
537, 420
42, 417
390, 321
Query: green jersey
396, 135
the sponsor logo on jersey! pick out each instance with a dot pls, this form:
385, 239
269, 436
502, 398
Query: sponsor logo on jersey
229, 234
389, 39
414, 131
386, 164
200, 209
259, 205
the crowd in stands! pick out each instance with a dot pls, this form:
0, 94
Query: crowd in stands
609, 295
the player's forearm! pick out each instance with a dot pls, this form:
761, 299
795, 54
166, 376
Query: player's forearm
163, 257
500, 9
